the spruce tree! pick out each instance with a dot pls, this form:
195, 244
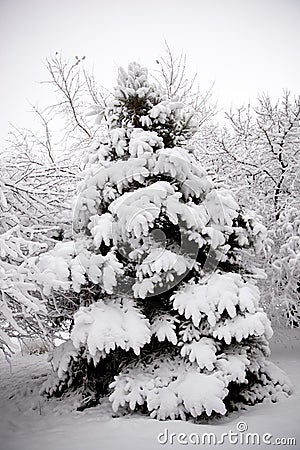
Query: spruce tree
167, 318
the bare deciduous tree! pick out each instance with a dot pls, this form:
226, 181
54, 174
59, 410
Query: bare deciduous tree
173, 77
258, 151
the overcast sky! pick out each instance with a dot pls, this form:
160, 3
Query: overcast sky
244, 46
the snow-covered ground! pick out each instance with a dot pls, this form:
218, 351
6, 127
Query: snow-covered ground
29, 422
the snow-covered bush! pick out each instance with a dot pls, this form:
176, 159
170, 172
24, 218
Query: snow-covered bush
167, 317
33, 215
20, 304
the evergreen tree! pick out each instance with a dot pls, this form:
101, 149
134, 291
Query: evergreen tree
166, 317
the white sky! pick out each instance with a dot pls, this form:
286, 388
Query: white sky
245, 46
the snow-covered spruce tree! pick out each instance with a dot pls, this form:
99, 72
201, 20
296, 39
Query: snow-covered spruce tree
167, 319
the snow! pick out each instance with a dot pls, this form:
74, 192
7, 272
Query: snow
164, 109
256, 324
163, 327
108, 182
17, 255
166, 383
222, 206
161, 260
61, 358
101, 228
52, 424
53, 267
61, 268
202, 351
207, 393
137, 210
219, 293
143, 141
103, 326
234, 366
